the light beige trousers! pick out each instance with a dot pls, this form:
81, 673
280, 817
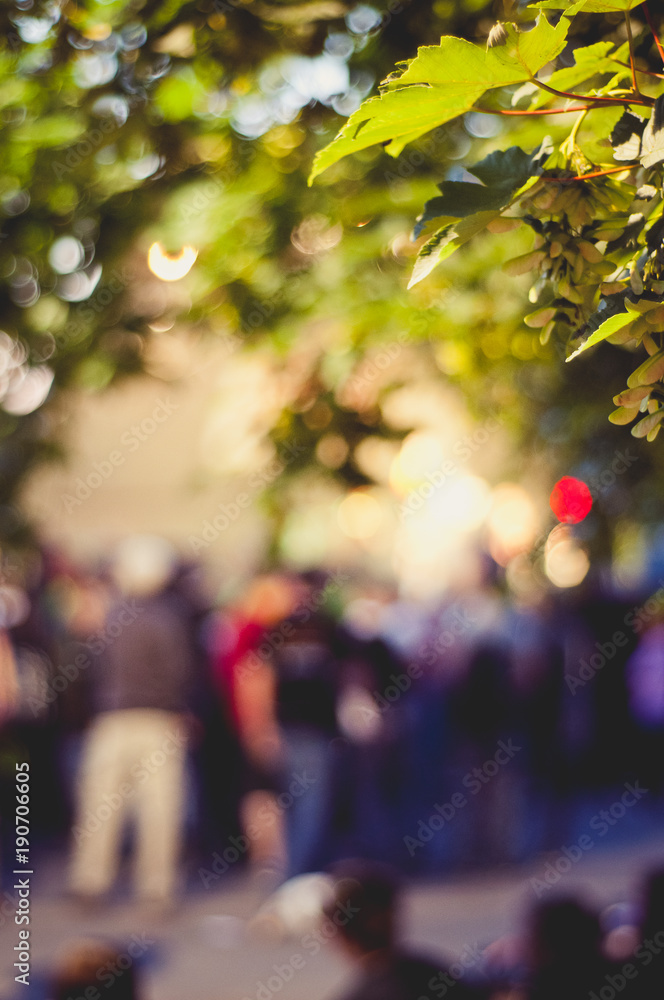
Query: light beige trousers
132, 768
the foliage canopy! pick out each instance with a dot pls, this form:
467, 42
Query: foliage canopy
134, 121
592, 196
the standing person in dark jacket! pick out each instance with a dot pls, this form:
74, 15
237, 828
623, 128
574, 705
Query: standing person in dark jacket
133, 761
307, 662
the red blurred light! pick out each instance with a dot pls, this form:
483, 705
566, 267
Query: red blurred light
571, 500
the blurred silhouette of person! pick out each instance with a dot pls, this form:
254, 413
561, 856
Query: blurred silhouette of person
648, 956
536, 632
9, 689
308, 650
89, 965
374, 763
566, 957
481, 707
364, 907
211, 811
134, 756
645, 685
242, 646
80, 600
609, 752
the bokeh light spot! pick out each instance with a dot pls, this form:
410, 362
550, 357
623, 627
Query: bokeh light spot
359, 515
570, 500
171, 267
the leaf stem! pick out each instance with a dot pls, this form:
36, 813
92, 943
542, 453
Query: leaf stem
630, 39
577, 125
617, 102
640, 99
643, 72
654, 33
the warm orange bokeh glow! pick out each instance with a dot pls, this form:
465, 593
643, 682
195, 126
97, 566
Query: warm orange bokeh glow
171, 267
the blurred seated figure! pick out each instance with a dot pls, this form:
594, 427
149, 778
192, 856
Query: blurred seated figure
566, 958
364, 907
92, 969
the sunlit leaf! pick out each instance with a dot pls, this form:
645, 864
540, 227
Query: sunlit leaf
530, 49
589, 6
609, 326
446, 242
652, 146
502, 174
441, 83
382, 119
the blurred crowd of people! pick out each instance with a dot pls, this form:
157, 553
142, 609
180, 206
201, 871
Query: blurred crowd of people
317, 716
567, 949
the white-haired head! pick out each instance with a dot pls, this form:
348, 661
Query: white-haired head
143, 564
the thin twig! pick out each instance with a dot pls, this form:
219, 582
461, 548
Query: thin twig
654, 33
585, 177
643, 72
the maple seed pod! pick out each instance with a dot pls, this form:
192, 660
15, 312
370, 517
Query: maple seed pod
590, 252
566, 199
622, 336
603, 268
656, 317
545, 201
649, 372
648, 424
631, 397
623, 415
502, 225
639, 327
608, 234
546, 332
579, 268
570, 293
611, 287
526, 262
644, 305
540, 317
649, 344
